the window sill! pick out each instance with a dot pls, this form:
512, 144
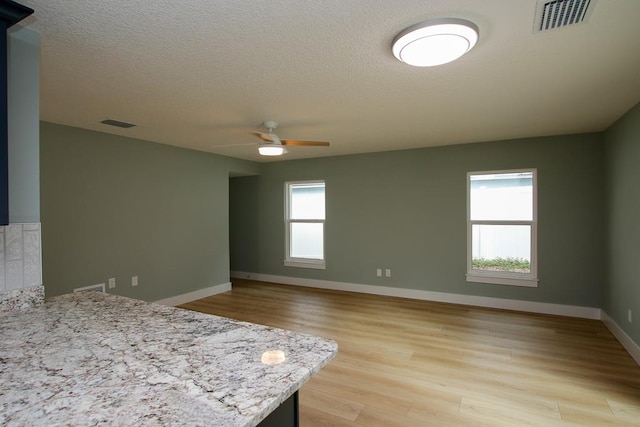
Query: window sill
315, 264
510, 281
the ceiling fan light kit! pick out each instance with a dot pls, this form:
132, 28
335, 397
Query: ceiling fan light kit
271, 150
435, 42
272, 145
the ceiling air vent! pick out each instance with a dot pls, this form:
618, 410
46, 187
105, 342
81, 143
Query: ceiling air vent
552, 14
117, 123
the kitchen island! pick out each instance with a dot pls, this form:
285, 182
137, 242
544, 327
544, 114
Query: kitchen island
93, 358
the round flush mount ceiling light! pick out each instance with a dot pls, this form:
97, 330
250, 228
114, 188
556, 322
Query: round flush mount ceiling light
435, 42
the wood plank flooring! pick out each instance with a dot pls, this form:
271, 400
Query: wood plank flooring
415, 363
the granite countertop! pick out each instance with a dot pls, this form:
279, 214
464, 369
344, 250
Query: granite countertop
89, 358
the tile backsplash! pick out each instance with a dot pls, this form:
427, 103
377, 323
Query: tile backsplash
20, 265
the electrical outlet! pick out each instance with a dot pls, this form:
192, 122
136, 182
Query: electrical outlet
387, 272
379, 272
629, 316
134, 280
112, 283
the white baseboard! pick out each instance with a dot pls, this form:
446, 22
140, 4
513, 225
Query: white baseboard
194, 295
489, 302
625, 340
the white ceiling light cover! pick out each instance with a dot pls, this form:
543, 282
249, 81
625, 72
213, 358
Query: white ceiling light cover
271, 150
435, 42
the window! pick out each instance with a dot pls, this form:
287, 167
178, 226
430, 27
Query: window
501, 227
304, 217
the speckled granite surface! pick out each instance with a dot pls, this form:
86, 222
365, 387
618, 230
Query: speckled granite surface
21, 298
92, 358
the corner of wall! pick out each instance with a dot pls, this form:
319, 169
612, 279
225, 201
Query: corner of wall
632, 348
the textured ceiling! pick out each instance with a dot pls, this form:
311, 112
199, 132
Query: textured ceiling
204, 74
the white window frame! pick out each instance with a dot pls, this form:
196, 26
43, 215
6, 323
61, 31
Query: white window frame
289, 261
496, 277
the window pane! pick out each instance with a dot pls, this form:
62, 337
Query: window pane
501, 248
307, 240
506, 196
307, 201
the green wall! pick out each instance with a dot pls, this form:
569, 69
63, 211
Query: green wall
23, 45
406, 210
117, 207
622, 290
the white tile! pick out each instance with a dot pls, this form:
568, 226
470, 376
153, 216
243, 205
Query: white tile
14, 275
31, 243
32, 259
3, 286
13, 236
33, 226
20, 257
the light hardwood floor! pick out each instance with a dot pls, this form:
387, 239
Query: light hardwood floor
415, 363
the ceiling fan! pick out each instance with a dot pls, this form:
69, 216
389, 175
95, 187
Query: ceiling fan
272, 145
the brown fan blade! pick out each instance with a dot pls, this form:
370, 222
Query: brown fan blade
264, 136
303, 143
234, 145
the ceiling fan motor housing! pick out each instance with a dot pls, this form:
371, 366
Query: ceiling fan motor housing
271, 125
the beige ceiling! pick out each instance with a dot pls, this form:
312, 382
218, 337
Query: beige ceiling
203, 74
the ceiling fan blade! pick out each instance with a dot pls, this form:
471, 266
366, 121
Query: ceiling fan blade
305, 143
264, 136
234, 145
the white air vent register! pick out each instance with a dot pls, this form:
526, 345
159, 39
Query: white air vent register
551, 14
